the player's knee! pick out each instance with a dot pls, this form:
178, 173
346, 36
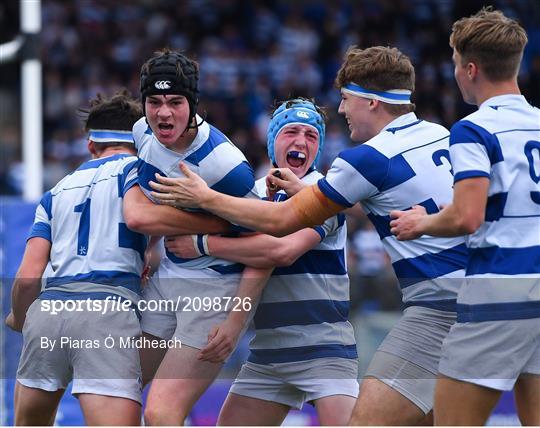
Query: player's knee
163, 414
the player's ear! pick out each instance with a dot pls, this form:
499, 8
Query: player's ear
472, 70
92, 149
373, 104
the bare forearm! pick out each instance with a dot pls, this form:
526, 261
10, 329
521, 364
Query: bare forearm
166, 221
263, 216
447, 223
27, 284
249, 291
256, 251
144, 216
264, 251
23, 294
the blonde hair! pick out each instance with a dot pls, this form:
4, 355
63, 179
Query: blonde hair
492, 41
378, 68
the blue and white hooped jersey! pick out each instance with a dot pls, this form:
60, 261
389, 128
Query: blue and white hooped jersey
93, 253
303, 313
213, 157
406, 164
501, 141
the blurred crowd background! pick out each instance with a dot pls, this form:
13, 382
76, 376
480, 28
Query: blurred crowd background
251, 53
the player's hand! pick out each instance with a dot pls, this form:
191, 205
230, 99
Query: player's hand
188, 192
182, 246
407, 225
11, 322
286, 180
222, 341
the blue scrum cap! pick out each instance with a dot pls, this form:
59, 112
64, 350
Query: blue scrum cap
298, 111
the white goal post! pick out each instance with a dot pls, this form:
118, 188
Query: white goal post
25, 48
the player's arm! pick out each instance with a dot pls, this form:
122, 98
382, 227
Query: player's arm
223, 338
258, 251
307, 208
143, 216
27, 284
464, 216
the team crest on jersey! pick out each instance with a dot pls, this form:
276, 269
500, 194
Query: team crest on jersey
163, 84
302, 114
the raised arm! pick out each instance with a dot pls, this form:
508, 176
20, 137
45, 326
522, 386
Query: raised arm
27, 284
307, 208
143, 216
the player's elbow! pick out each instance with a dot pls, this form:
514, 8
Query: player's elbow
281, 257
135, 220
29, 284
278, 226
470, 223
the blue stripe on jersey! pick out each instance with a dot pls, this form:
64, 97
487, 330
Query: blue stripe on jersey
430, 265
498, 311
320, 262
382, 222
332, 193
466, 132
122, 188
147, 172
301, 312
302, 353
382, 172
96, 163
176, 259
469, 174
399, 128
320, 231
215, 138
228, 269
130, 184
128, 280
506, 261
495, 206
46, 203
40, 230
127, 238
448, 305
238, 182
200, 244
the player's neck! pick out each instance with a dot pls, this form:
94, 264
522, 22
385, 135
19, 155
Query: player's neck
111, 151
488, 89
185, 140
383, 120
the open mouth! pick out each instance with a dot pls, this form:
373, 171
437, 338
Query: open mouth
165, 126
296, 159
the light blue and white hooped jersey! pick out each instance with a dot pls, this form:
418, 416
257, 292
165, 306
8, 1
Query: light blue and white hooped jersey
303, 313
213, 157
501, 141
93, 253
406, 164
